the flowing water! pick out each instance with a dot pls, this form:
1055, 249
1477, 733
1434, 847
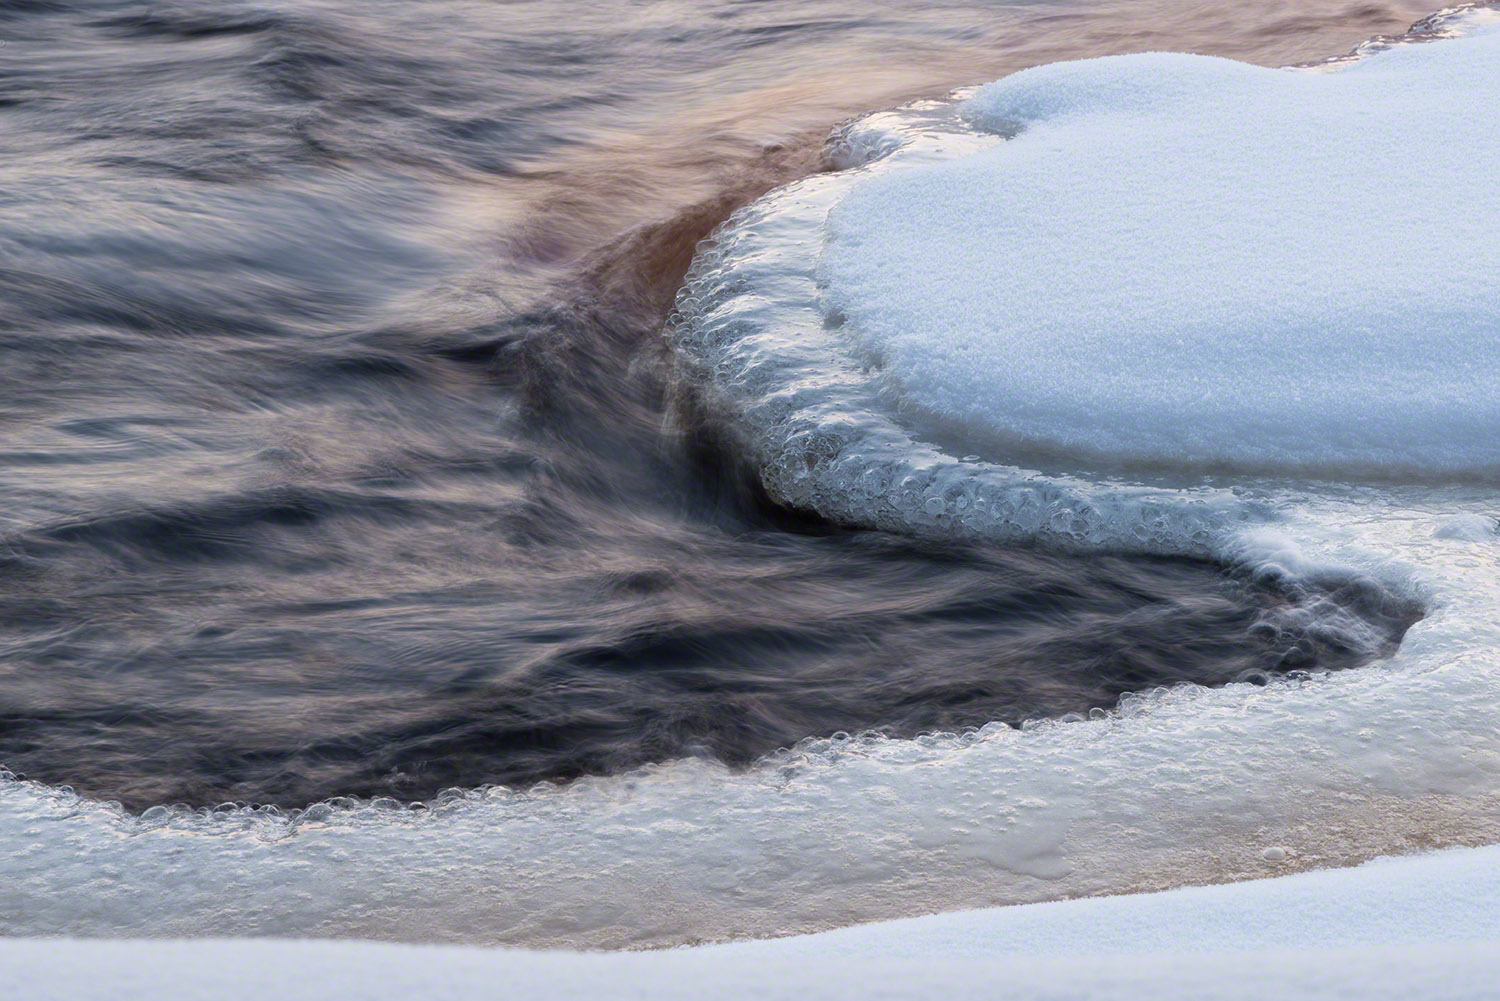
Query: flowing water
337, 458
343, 453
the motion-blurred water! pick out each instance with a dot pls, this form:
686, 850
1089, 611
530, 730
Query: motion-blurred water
339, 455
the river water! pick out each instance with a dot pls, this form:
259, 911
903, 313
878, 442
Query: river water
340, 454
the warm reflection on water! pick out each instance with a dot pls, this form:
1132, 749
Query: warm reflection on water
335, 457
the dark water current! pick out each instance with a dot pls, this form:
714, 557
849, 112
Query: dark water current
335, 451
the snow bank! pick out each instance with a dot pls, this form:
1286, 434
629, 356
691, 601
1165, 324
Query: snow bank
1190, 262
1399, 928
1105, 303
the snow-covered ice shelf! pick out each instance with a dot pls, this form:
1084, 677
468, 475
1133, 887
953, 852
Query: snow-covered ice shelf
1424, 927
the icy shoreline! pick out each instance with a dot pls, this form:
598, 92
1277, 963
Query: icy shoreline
1422, 926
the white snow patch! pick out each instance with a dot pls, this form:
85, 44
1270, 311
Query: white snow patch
1104, 303
1192, 262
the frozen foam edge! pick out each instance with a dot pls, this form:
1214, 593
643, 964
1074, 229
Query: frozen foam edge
826, 433
1177, 786
988, 319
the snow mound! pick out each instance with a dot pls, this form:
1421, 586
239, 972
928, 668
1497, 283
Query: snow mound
1121, 302
1188, 261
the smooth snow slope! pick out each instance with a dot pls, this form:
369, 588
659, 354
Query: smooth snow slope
1423, 927
1193, 262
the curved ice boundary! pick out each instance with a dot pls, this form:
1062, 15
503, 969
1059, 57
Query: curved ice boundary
1078, 305
1176, 786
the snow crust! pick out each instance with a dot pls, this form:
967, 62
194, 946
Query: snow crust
1398, 928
